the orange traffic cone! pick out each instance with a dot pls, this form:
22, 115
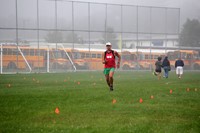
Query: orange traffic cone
57, 111
141, 101
114, 101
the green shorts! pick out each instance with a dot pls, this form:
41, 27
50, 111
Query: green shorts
108, 70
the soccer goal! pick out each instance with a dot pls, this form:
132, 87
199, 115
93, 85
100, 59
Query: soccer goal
10, 52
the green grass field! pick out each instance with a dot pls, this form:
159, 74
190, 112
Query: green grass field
28, 102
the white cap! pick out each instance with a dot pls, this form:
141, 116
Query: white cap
108, 44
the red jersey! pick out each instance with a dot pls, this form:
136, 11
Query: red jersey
110, 59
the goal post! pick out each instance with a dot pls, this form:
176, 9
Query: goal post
18, 48
30, 69
50, 54
68, 57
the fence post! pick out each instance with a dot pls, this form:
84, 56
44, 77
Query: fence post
48, 59
1, 58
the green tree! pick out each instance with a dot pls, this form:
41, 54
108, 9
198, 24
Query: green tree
54, 37
190, 33
76, 38
110, 36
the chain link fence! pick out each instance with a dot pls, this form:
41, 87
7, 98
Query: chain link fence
62, 35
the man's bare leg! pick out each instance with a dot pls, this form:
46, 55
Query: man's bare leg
107, 80
111, 80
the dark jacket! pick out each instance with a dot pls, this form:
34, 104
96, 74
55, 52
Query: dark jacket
179, 63
166, 62
158, 65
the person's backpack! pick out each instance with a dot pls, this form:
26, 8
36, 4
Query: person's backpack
112, 53
169, 68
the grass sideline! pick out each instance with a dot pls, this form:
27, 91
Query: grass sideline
28, 102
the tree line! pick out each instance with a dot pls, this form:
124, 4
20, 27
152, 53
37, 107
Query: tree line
189, 36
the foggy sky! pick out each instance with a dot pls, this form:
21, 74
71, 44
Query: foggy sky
27, 15
189, 8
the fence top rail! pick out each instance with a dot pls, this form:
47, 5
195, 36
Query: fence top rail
117, 4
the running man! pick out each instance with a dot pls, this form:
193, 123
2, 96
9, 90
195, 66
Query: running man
108, 59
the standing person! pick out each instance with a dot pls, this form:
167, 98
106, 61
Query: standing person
158, 68
179, 64
166, 67
108, 59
